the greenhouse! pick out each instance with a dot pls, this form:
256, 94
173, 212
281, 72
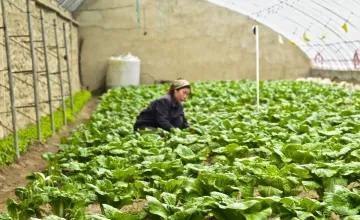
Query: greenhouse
180, 109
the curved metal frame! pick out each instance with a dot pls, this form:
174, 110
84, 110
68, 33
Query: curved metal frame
320, 16
328, 19
70, 5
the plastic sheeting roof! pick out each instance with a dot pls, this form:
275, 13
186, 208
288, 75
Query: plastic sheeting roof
328, 31
70, 5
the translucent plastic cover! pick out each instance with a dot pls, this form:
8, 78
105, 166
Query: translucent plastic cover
328, 31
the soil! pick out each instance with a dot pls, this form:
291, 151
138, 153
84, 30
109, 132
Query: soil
14, 175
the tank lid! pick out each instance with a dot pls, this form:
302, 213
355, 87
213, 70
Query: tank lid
125, 57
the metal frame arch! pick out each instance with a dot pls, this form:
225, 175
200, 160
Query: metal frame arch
333, 12
320, 23
309, 45
309, 17
329, 21
348, 49
350, 45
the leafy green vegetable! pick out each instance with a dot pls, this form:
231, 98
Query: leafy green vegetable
292, 160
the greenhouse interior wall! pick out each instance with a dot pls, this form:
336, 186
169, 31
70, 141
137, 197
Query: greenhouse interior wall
193, 39
21, 60
352, 76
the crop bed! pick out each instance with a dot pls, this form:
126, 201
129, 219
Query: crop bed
295, 159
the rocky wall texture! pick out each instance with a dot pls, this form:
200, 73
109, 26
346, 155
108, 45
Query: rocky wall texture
21, 60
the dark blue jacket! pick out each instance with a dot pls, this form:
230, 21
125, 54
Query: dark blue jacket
162, 113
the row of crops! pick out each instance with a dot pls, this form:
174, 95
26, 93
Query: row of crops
295, 159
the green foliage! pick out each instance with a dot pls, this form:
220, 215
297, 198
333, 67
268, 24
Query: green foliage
5, 216
29, 135
295, 159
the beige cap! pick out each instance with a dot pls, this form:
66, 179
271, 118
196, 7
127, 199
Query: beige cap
179, 83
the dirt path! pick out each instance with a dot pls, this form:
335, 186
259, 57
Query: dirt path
15, 175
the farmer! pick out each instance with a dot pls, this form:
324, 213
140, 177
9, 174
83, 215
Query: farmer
166, 112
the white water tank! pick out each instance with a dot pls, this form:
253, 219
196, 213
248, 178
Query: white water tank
123, 70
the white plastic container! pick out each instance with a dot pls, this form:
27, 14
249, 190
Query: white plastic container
123, 70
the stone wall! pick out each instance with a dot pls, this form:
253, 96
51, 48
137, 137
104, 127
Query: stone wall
193, 39
21, 60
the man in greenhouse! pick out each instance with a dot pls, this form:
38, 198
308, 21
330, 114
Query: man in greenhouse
166, 112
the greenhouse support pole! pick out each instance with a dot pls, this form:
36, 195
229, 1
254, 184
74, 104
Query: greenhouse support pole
47, 70
11, 81
256, 32
68, 70
60, 73
33, 63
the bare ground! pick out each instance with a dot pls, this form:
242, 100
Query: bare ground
14, 176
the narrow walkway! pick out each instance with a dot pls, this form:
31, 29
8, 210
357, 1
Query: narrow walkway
14, 176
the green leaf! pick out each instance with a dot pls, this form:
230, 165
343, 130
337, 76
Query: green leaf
185, 153
283, 157
125, 174
236, 151
330, 133
350, 168
125, 216
221, 159
96, 217
304, 215
290, 202
242, 205
153, 159
353, 217
356, 153
156, 208
239, 210
227, 124
298, 154
277, 182
263, 215
323, 172
116, 214
80, 215
268, 191
209, 182
12, 208
310, 205
311, 185
303, 156
5, 216
74, 166
53, 217
109, 211
169, 198
330, 183
343, 201
196, 209
173, 186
